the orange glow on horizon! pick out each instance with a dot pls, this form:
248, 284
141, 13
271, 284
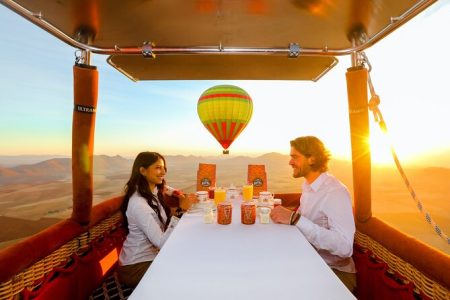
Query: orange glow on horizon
410, 153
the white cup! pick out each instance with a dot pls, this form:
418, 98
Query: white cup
276, 202
202, 196
265, 196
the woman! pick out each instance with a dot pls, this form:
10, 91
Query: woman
147, 217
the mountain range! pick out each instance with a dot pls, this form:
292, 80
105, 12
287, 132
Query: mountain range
60, 168
56, 169
41, 191
230, 169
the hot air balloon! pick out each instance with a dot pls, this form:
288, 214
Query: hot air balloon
225, 110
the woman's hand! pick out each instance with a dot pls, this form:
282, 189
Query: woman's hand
186, 201
281, 215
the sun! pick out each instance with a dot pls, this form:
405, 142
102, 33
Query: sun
380, 149
382, 145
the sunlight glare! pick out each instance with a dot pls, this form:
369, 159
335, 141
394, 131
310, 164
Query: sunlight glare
380, 148
408, 151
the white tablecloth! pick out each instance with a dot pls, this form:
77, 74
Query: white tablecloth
236, 261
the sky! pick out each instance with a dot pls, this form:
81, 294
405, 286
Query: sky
409, 72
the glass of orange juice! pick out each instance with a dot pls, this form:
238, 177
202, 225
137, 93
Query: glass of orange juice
247, 192
219, 195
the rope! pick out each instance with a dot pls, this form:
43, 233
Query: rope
373, 106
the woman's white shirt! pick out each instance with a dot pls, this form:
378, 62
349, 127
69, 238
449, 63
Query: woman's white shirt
146, 235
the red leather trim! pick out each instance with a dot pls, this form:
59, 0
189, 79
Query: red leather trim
105, 209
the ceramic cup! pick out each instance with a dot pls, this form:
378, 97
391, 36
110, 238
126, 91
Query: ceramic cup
202, 196
265, 196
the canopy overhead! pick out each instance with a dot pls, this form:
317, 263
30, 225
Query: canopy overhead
227, 67
233, 37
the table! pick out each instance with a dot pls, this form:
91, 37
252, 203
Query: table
237, 261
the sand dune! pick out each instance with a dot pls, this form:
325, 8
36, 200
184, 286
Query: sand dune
19, 228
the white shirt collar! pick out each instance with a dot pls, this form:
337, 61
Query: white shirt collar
155, 191
317, 183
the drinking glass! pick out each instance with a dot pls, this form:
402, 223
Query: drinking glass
219, 195
211, 192
247, 192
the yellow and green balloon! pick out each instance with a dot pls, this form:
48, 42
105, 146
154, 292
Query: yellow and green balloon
225, 111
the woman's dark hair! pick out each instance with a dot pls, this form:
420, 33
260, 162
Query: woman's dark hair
312, 146
138, 182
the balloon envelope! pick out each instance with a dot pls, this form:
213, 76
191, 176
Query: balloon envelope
225, 110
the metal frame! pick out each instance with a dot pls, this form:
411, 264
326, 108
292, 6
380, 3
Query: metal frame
40, 21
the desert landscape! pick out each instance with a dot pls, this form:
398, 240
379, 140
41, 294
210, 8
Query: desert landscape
38, 193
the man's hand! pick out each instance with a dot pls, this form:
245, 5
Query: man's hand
281, 215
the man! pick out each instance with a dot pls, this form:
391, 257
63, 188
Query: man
325, 215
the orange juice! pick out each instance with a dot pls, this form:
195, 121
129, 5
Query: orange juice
219, 195
247, 192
